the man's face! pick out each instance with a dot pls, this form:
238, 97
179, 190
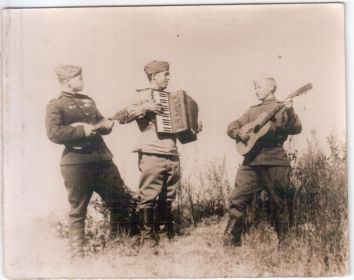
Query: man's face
76, 83
263, 88
161, 79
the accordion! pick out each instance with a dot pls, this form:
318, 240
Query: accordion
179, 117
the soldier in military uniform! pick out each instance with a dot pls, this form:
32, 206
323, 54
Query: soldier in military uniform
158, 157
267, 166
73, 120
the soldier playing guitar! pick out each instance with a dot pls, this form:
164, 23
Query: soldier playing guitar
266, 165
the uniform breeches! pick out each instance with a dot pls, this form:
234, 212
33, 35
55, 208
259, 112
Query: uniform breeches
160, 177
81, 180
251, 180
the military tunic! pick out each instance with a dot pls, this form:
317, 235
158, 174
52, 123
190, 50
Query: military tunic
158, 156
267, 166
66, 110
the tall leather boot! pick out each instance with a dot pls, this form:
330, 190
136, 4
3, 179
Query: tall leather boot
232, 234
119, 223
282, 229
164, 225
76, 242
148, 234
169, 222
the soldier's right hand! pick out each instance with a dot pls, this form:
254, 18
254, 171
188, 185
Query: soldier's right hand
153, 106
89, 130
243, 134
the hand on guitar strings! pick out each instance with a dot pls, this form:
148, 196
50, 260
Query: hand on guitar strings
243, 134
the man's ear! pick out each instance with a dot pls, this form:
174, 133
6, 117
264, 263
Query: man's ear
66, 83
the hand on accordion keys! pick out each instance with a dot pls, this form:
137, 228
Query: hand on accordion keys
153, 106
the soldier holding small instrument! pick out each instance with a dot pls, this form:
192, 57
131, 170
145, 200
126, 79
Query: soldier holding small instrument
266, 166
158, 157
73, 120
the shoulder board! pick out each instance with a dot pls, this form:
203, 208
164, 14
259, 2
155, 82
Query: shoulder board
259, 104
79, 95
143, 89
55, 99
65, 95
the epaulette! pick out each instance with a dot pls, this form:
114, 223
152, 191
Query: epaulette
54, 99
143, 89
66, 95
82, 96
259, 104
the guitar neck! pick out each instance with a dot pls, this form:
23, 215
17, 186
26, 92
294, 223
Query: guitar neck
298, 92
119, 115
272, 114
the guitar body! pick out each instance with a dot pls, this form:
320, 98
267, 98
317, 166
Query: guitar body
244, 147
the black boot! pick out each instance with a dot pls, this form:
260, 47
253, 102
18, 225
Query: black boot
76, 242
148, 234
232, 234
165, 223
169, 223
119, 223
281, 225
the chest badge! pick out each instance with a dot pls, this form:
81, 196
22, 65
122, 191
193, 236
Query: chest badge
87, 102
72, 106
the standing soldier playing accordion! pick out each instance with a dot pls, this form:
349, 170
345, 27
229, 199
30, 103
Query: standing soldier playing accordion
158, 157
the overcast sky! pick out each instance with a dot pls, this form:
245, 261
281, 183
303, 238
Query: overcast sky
214, 53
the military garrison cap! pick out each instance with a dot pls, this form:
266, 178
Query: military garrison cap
66, 71
156, 67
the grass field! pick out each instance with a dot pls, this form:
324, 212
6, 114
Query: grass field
317, 244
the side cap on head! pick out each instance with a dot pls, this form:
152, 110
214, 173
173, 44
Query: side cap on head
156, 67
66, 71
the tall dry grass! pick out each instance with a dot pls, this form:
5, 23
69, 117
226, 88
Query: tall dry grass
318, 239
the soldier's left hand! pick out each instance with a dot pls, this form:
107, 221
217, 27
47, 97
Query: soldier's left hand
288, 104
108, 124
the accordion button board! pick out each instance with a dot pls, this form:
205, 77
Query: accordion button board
179, 117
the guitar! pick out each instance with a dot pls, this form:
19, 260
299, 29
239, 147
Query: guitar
260, 126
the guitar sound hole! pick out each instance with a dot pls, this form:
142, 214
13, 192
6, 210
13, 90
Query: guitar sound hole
256, 128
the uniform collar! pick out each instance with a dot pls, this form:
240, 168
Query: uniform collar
268, 101
72, 95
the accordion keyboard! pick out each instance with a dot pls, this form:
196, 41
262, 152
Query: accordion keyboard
163, 121
179, 117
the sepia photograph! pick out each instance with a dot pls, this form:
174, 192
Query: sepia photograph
186, 141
